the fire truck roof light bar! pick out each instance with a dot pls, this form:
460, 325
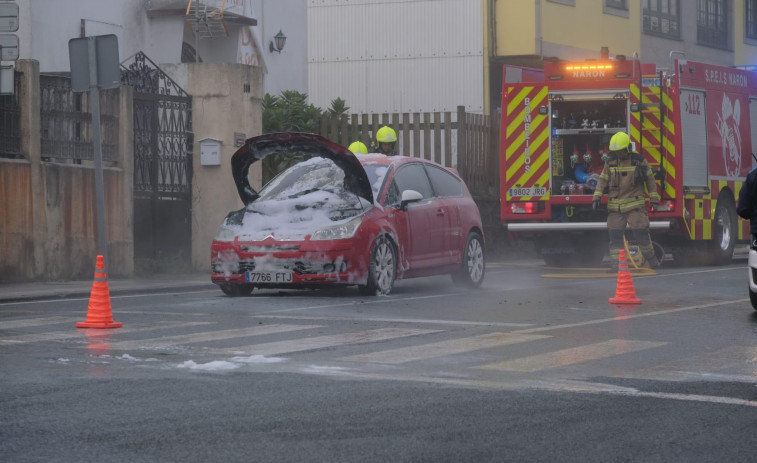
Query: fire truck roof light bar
584, 67
573, 226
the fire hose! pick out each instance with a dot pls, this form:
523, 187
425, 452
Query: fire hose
634, 267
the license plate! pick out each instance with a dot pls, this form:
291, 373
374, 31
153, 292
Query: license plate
268, 277
536, 191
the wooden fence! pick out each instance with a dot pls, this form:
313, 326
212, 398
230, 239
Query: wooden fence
468, 142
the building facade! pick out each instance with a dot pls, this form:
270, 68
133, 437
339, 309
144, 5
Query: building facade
214, 55
721, 32
399, 56
174, 31
385, 56
287, 68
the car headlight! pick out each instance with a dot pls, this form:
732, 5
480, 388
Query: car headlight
226, 233
337, 232
231, 226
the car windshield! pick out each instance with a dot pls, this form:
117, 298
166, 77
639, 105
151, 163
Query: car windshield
376, 174
303, 198
315, 174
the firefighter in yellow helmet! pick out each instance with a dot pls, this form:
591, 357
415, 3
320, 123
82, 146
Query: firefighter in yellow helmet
626, 173
358, 147
386, 138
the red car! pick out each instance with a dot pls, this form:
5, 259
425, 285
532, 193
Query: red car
341, 219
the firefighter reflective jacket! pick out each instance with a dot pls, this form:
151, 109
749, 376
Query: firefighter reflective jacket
747, 206
626, 179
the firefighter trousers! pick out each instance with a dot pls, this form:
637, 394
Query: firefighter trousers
638, 220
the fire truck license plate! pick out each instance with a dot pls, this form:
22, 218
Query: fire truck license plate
268, 277
537, 191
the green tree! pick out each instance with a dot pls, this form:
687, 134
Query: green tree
338, 108
290, 112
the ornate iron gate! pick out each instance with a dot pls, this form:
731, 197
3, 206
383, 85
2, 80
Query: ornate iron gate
162, 166
10, 122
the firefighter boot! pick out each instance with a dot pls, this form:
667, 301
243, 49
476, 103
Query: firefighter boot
653, 262
614, 258
616, 243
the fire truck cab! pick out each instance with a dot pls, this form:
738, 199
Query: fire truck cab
693, 124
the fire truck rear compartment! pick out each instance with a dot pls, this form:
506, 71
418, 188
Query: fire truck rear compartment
580, 136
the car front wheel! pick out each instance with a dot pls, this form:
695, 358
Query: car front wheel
473, 266
237, 290
382, 268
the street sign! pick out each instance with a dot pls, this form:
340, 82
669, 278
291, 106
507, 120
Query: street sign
8, 47
7, 80
108, 73
8, 17
94, 65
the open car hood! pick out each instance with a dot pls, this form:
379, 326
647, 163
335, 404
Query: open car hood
257, 148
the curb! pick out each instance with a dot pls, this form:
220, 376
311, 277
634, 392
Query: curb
75, 293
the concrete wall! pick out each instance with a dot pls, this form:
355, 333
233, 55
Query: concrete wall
16, 221
221, 107
47, 209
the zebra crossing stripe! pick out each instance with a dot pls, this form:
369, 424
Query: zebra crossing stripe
320, 342
82, 333
192, 338
732, 363
572, 356
442, 348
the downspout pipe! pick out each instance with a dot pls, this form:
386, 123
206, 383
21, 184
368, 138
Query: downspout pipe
537, 29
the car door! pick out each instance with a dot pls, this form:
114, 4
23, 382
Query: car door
425, 220
448, 190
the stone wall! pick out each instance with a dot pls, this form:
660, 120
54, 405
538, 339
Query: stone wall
47, 208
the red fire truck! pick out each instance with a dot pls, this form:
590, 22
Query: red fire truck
694, 125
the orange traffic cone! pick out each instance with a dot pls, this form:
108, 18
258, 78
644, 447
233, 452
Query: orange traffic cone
99, 314
624, 293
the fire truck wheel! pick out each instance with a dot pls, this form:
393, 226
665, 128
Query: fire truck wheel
473, 265
724, 230
591, 254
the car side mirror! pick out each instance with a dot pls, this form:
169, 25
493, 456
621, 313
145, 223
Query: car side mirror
409, 196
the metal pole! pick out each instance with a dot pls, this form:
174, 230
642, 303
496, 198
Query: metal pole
1, 72
94, 95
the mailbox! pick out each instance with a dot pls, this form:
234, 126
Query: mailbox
210, 152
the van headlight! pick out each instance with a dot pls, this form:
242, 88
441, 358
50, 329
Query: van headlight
337, 232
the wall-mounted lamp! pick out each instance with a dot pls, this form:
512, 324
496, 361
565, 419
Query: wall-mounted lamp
277, 44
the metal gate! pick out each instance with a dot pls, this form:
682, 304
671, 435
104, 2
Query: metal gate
162, 167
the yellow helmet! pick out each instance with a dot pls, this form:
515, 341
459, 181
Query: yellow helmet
619, 141
386, 135
358, 147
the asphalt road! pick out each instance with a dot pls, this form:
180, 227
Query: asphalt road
526, 368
